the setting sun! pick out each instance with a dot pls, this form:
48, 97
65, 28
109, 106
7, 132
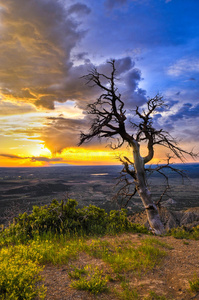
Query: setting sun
40, 150
48, 48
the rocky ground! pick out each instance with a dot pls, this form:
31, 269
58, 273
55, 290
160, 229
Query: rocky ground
169, 280
170, 218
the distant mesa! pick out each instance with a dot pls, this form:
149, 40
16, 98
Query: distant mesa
100, 174
170, 201
59, 165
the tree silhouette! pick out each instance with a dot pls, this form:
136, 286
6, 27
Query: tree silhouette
110, 121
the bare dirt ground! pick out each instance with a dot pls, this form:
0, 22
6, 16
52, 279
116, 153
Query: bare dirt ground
169, 279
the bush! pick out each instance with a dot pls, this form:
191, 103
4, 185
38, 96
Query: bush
95, 283
185, 233
19, 273
194, 284
60, 218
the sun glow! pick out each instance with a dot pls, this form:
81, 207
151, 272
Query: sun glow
40, 150
82, 156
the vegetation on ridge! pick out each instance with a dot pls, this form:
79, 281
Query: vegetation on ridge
59, 234
66, 218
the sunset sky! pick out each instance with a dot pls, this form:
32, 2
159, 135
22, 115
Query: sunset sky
47, 45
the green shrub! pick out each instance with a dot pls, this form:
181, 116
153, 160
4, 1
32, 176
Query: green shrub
60, 218
194, 284
95, 283
56, 217
19, 273
127, 293
77, 273
94, 220
185, 233
154, 296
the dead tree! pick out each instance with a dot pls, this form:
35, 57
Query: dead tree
110, 121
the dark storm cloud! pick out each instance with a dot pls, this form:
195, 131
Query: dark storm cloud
132, 79
183, 123
128, 77
122, 65
37, 37
133, 95
127, 80
62, 133
81, 55
186, 111
79, 8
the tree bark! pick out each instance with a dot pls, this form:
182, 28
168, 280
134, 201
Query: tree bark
144, 193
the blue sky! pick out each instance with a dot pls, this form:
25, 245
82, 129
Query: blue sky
162, 36
47, 45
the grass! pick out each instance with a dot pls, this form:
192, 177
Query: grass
194, 284
24, 252
76, 273
19, 272
183, 233
127, 292
54, 234
22, 264
95, 282
126, 257
154, 296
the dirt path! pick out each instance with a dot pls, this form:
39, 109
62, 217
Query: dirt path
169, 279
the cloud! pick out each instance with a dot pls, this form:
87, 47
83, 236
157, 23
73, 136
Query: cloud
122, 65
61, 133
45, 159
186, 111
37, 37
75, 87
79, 9
128, 79
184, 66
32, 158
11, 156
82, 56
182, 122
132, 95
14, 108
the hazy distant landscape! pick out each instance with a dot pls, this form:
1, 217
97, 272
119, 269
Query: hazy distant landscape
21, 187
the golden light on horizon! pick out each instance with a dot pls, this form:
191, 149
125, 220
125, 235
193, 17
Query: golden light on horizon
82, 156
35, 137
40, 150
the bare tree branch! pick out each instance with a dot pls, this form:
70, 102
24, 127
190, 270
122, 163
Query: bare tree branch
109, 121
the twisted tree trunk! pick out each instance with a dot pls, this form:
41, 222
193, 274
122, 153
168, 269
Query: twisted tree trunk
144, 193
110, 120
